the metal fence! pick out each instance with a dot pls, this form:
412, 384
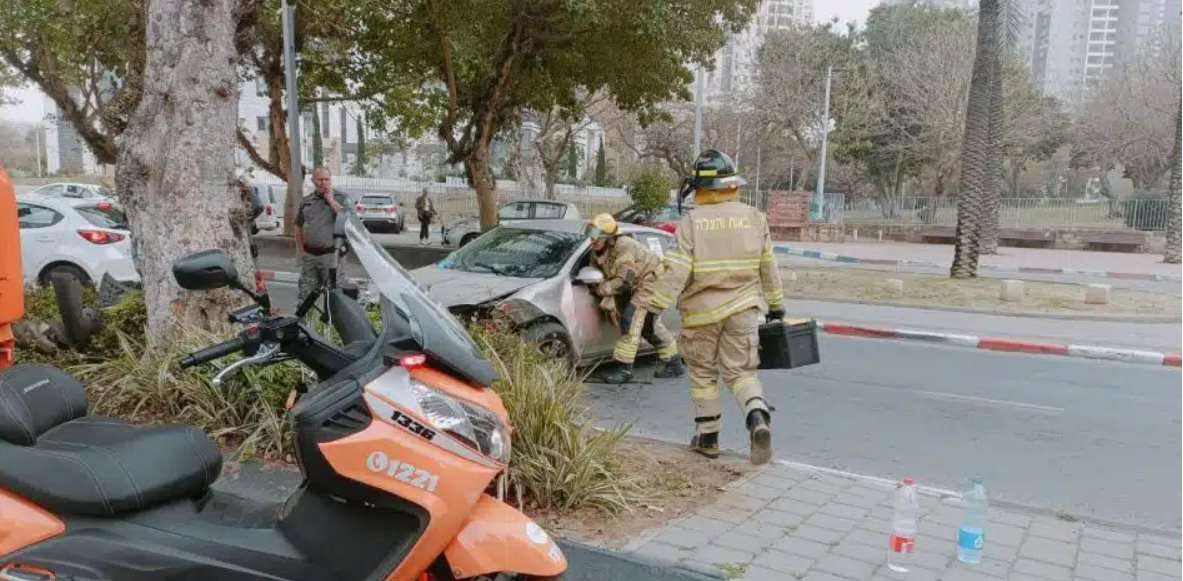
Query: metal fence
1136, 214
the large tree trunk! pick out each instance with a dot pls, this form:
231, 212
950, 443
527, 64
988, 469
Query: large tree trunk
992, 187
480, 177
1172, 252
976, 147
175, 167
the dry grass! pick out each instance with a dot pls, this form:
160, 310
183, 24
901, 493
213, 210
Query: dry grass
981, 293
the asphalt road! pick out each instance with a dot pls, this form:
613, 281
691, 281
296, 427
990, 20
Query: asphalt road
1089, 438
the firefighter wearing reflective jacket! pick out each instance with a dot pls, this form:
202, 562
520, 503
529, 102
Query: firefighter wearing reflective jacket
630, 270
719, 273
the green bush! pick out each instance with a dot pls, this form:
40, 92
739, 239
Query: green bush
561, 460
650, 190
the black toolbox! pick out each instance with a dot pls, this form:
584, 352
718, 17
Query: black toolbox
788, 344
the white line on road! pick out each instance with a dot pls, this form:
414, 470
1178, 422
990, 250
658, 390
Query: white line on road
1000, 402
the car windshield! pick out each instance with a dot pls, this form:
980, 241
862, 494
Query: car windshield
516, 252
104, 215
408, 310
376, 201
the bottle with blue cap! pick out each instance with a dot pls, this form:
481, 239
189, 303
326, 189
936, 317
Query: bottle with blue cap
971, 537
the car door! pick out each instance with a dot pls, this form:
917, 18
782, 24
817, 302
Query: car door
594, 332
41, 232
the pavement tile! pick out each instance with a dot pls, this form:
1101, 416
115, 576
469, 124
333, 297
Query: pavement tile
704, 524
869, 538
989, 567
1007, 517
710, 570
1160, 540
808, 495
762, 530
761, 492
1050, 528
784, 563
844, 510
914, 574
936, 561
820, 576
865, 502
1166, 552
734, 498
785, 472
1049, 551
754, 573
1105, 534
1157, 565
774, 481
725, 514
744, 542
1042, 570
835, 479
715, 554
963, 574
1114, 549
820, 486
845, 567
1148, 576
794, 545
1006, 535
818, 534
865, 553
946, 516
658, 550
1000, 552
930, 544
834, 523
778, 518
683, 537
1093, 573
794, 506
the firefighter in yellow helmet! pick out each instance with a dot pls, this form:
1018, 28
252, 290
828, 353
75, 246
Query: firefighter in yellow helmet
719, 273
630, 271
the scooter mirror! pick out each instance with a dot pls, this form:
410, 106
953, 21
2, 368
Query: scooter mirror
205, 270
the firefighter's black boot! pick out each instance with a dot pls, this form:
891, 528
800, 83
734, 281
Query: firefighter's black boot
671, 368
706, 444
761, 434
615, 373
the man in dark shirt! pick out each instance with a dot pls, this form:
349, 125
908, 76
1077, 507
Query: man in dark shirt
314, 232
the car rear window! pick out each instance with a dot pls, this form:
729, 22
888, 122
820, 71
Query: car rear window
517, 252
377, 201
104, 215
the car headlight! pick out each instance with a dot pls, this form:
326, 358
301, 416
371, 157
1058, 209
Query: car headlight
472, 424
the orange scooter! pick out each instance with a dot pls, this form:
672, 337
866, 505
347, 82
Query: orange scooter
398, 443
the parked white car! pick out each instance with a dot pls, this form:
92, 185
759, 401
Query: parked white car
463, 231
78, 191
84, 237
271, 197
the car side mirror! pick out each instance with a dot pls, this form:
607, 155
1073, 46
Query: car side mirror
589, 275
206, 270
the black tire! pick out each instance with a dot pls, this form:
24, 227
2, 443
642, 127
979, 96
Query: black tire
468, 238
553, 339
75, 271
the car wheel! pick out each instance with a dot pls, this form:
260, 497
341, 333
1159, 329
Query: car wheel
468, 238
46, 277
553, 340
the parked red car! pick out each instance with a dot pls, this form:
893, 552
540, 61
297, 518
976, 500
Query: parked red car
666, 219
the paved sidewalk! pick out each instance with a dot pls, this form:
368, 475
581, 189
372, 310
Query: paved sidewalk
798, 522
1142, 336
1007, 258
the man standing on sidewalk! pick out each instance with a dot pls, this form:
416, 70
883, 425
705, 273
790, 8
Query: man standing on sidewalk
722, 267
426, 210
314, 232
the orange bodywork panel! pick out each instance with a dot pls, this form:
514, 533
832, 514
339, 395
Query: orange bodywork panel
23, 523
496, 538
12, 288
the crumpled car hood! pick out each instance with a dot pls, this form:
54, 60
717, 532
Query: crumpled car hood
458, 287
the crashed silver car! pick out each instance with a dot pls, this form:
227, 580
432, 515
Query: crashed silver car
534, 275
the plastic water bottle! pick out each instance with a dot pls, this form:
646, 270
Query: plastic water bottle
973, 524
903, 527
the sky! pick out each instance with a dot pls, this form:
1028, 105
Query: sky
31, 108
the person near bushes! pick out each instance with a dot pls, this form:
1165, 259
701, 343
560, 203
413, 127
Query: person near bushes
630, 271
426, 210
719, 273
315, 221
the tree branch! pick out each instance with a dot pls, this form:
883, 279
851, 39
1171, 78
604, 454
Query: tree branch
258, 160
447, 128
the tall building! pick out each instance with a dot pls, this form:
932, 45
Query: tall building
737, 62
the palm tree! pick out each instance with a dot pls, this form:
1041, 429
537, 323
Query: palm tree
976, 147
992, 186
1172, 253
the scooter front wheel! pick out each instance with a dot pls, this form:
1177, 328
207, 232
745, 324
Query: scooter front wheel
441, 572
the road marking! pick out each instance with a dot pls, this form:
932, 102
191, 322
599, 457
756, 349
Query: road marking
1001, 402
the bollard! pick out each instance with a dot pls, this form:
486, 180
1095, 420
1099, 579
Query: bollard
856, 234
1011, 291
895, 285
1097, 294
881, 236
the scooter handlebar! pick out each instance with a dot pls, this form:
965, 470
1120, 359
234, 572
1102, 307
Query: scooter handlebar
213, 352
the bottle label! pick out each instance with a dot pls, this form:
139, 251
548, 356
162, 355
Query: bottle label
900, 544
971, 539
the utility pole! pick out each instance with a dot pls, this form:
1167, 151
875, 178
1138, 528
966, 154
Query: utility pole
37, 141
815, 205
296, 169
698, 91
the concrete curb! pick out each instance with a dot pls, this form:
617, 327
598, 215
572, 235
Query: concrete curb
1012, 345
831, 257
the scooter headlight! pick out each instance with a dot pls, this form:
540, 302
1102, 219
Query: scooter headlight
470, 423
